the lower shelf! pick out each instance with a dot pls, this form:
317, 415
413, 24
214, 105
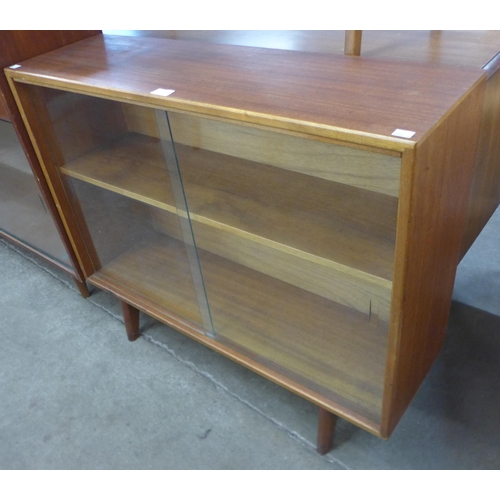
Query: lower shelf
158, 273
328, 349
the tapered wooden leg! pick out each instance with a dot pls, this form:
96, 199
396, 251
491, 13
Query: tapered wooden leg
326, 430
131, 318
82, 288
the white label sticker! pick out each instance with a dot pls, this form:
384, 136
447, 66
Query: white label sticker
407, 134
15, 66
163, 92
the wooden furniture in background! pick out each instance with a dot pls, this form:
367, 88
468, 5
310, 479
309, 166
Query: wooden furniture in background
4, 113
28, 214
459, 48
265, 208
353, 42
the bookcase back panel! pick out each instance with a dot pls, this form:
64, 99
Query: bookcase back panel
356, 167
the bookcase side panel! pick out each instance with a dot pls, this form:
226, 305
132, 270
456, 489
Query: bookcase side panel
484, 195
433, 209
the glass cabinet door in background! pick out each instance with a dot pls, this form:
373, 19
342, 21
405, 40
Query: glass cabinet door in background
23, 214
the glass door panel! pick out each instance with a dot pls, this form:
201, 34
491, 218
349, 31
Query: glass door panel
114, 173
296, 241
23, 213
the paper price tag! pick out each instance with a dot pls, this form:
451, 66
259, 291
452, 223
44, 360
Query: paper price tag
163, 92
405, 134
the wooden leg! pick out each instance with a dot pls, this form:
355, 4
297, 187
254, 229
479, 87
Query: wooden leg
131, 318
326, 430
82, 288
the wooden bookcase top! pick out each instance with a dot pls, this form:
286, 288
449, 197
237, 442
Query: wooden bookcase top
362, 100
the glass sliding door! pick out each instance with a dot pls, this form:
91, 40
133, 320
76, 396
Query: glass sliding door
110, 164
296, 240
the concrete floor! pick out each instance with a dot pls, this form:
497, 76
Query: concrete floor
75, 394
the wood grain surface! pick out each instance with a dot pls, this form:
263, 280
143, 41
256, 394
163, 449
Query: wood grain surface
372, 170
362, 99
463, 48
485, 189
436, 179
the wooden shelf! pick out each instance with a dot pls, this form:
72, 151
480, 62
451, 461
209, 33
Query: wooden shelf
132, 166
311, 340
333, 240
332, 221
159, 273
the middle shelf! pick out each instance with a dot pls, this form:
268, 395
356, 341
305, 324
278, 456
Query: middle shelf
331, 239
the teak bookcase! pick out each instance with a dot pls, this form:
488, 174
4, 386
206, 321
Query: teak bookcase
264, 207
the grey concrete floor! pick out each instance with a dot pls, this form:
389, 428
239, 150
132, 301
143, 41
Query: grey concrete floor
75, 394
